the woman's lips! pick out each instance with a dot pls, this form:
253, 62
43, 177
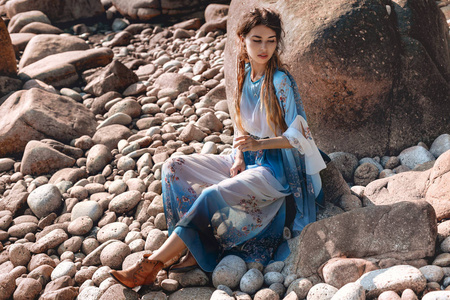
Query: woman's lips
263, 55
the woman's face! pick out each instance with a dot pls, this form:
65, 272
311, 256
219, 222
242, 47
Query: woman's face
260, 43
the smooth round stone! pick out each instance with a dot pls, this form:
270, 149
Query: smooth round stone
28, 288
89, 209
101, 274
170, 285
136, 184
112, 231
432, 273
71, 93
155, 239
6, 164
80, 226
321, 291
300, 286
44, 200
94, 188
117, 187
416, 155
209, 148
252, 281
90, 293
442, 260
273, 277
19, 255
440, 145
133, 235
114, 254
126, 163
266, 294
229, 271
352, 290
125, 202
117, 118
64, 268
79, 192
137, 245
276, 266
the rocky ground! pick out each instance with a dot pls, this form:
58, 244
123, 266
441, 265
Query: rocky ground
84, 196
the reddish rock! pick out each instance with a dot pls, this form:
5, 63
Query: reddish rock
114, 77
119, 291
49, 241
138, 10
340, 271
35, 115
210, 121
44, 45
18, 21
40, 28
8, 62
365, 233
58, 11
175, 81
27, 289
7, 286
111, 135
191, 133
67, 293
61, 70
68, 174
430, 185
215, 12
39, 158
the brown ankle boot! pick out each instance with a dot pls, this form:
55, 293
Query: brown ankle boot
141, 273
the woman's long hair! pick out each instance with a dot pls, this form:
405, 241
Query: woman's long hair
271, 19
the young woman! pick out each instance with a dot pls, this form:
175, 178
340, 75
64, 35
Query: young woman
235, 204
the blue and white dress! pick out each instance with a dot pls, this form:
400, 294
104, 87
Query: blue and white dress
215, 214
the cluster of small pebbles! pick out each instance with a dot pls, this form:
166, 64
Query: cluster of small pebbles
62, 232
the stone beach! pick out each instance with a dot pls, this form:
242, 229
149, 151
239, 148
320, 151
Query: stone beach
90, 111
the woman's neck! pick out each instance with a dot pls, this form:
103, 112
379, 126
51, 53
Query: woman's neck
257, 71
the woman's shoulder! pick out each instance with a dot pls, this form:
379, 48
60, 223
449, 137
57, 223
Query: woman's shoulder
281, 79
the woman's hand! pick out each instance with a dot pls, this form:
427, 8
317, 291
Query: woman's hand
246, 143
238, 167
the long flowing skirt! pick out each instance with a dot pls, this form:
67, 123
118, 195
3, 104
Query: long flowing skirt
215, 214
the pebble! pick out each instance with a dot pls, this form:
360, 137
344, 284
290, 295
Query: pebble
89, 209
112, 231
64, 268
432, 273
350, 291
80, 226
321, 291
44, 200
252, 281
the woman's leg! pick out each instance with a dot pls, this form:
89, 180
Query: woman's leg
145, 270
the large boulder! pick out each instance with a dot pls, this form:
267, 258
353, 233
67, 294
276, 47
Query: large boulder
430, 185
354, 69
62, 69
8, 62
58, 11
36, 114
138, 9
402, 231
44, 45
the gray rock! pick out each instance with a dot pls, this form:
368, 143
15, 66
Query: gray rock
416, 155
432, 273
365, 174
125, 202
6, 164
229, 271
273, 277
44, 200
346, 163
300, 286
440, 145
117, 187
64, 268
252, 281
276, 266
371, 161
89, 209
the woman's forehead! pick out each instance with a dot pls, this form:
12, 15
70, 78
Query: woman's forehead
262, 31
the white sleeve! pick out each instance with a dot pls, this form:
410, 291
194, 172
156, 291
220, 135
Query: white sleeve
305, 145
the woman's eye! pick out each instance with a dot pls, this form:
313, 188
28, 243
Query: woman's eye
257, 41
272, 41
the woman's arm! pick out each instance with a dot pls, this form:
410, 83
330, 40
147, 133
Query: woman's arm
247, 143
